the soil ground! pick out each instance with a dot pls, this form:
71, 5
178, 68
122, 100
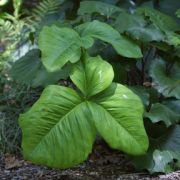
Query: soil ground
103, 163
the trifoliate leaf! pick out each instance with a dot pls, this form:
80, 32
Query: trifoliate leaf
60, 129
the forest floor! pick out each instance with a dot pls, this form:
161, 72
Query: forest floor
103, 163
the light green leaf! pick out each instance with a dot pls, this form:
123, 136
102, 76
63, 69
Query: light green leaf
59, 46
116, 114
104, 32
160, 112
29, 70
60, 128
56, 130
93, 76
104, 9
166, 83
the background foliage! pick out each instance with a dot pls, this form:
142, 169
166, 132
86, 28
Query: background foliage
155, 77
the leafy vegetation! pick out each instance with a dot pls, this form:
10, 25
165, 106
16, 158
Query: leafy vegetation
68, 43
71, 121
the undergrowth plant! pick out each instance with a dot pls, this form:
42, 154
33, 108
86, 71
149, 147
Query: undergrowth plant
141, 44
61, 127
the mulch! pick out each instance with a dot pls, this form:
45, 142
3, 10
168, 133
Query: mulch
103, 163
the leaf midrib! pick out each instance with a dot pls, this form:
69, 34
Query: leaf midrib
118, 122
44, 137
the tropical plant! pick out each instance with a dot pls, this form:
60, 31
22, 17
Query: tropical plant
139, 39
60, 129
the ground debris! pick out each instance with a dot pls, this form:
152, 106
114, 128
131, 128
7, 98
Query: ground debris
103, 163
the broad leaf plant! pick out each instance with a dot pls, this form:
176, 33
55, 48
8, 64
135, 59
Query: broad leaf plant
60, 128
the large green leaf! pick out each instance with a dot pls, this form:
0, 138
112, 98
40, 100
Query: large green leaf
92, 83
60, 128
166, 83
160, 112
56, 130
105, 9
29, 70
115, 114
59, 46
99, 30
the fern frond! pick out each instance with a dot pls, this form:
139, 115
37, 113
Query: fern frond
6, 28
45, 8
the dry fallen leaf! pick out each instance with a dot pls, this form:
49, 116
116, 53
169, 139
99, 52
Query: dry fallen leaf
11, 162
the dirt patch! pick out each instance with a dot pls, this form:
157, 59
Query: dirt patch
103, 163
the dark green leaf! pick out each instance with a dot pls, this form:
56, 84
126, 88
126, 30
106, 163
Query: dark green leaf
104, 9
159, 19
165, 82
162, 152
29, 70
142, 93
160, 112
137, 27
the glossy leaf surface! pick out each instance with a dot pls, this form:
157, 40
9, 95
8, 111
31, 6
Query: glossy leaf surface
59, 130
56, 130
118, 117
93, 76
